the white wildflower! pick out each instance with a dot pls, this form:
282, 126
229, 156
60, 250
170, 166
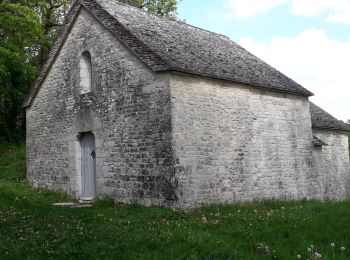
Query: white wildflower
298, 256
342, 248
309, 249
312, 246
332, 245
318, 255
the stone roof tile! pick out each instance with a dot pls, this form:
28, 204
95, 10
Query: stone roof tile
317, 141
166, 45
323, 120
189, 49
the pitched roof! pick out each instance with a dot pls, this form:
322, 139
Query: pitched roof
166, 45
322, 119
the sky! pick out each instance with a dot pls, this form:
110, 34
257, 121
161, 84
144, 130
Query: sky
307, 40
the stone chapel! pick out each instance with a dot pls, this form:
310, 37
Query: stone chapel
148, 110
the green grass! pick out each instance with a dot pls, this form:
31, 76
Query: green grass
31, 228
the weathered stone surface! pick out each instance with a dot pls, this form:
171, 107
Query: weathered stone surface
332, 165
236, 143
128, 111
166, 45
64, 204
172, 139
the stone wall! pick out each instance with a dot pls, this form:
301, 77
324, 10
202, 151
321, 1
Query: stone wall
128, 111
332, 169
171, 139
236, 143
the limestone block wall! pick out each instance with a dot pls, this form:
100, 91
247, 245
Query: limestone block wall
236, 143
128, 111
332, 169
171, 139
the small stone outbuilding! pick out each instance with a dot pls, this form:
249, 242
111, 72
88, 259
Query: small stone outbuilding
157, 112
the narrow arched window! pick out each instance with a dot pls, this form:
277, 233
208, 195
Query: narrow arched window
85, 72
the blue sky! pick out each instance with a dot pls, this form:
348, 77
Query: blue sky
308, 40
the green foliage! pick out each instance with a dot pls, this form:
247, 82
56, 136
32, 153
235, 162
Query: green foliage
27, 31
12, 161
31, 228
51, 14
161, 7
20, 35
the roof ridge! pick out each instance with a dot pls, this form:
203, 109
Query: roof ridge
129, 6
138, 47
165, 18
324, 111
141, 50
202, 29
163, 44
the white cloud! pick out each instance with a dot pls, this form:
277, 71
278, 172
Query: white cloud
249, 8
317, 62
336, 11
310, 7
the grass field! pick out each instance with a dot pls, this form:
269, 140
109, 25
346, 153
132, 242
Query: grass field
31, 228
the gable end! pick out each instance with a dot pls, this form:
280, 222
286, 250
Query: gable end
147, 56
53, 53
166, 45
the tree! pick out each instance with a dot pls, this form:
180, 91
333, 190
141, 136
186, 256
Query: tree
51, 14
162, 7
27, 31
20, 34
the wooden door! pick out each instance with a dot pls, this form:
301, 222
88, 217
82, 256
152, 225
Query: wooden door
88, 166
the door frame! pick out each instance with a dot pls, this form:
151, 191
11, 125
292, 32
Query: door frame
81, 170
